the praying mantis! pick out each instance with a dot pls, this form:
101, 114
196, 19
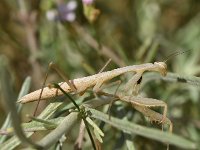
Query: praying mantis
80, 85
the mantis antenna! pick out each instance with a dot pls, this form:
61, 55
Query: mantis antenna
175, 54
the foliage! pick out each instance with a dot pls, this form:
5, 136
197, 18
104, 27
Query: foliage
80, 38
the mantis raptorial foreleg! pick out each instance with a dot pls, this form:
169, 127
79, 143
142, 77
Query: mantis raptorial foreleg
133, 82
154, 116
142, 105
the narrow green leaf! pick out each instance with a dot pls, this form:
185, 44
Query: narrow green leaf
24, 90
132, 128
63, 128
46, 114
173, 77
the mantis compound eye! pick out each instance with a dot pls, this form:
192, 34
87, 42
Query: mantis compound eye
162, 68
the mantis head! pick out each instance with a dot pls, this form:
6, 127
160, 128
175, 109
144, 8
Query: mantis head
161, 67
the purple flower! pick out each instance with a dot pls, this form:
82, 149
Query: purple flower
65, 12
87, 2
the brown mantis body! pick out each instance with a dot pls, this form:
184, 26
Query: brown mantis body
96, 81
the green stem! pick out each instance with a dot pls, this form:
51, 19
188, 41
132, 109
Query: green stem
58, 87
82, 113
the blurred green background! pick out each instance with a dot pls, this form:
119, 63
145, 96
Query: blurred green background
33, 33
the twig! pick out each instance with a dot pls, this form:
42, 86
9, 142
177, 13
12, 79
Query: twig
93, 43
28, 19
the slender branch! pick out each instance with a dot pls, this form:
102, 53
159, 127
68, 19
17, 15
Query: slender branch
28, 19
94, 44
